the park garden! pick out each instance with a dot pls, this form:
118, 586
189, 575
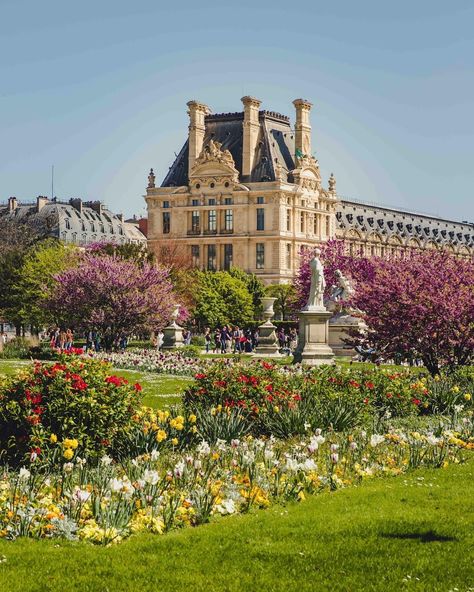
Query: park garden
355, 474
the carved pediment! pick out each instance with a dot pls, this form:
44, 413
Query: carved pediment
214, 162
306, 173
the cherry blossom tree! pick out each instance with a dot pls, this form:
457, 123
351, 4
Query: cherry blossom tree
420, 306
112, 295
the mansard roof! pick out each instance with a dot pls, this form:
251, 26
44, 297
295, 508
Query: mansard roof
276, 144
386, 222
73, 221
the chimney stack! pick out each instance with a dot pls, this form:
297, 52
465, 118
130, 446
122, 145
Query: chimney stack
76, 203
197, 128
251, 131
302, 127
12, 204
41, 201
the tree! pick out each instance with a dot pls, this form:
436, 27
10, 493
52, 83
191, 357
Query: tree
36, 280
16, 239
255, 287
285, 303
113, 296
420, 306
221, 299
133, 251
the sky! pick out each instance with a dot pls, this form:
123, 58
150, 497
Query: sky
99, 90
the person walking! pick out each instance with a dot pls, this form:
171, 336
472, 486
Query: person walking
217, 341
207, 338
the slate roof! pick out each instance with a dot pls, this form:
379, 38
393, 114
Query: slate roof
275, 143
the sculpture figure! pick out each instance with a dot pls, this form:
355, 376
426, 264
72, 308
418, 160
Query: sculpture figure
318, 283
343, 290
151, 179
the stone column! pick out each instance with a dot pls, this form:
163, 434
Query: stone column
173, 333
267, 342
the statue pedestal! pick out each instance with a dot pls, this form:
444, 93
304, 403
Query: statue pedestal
313, 348
267, 341
339, 327
173, 337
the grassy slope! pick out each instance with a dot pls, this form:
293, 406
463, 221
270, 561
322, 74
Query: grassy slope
407, 533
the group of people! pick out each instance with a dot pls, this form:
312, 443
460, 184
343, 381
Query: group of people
236, 340
61, 338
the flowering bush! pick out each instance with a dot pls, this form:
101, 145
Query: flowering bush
156, 492
73, 407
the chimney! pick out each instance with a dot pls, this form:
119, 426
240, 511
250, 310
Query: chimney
76, 203
197, 128
251, 130
12, 204
302, 127
41, 201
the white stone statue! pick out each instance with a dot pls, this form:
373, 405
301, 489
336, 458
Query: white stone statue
318, 283
344, 289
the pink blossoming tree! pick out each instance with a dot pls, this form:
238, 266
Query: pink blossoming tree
420, 306
112, 295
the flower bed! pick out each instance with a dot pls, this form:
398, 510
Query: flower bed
157, 492
149, 360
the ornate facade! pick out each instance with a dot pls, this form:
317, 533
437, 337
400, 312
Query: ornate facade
246, 191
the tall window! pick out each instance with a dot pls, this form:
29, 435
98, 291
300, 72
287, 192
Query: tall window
211, 258
288, 220
315, 224
288, 255
212, 220
166, 222
327, 226
229, 220
195, 255
260, 219
228, 254
195, 221
260, 256
302, 221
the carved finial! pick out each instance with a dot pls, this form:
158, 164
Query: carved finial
332, 183
151, 179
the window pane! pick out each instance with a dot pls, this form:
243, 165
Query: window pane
195, 255
228, 255
211, 258
260, 219
229, 220
195, 221
211, 220
260, 256
166, 222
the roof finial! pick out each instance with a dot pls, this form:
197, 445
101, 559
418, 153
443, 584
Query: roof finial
332, 183
151, 179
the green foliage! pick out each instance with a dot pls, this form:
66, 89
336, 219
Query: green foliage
255, 287
214, 426
131, 251
221, 299
18, 347
36, 281
286, 299
74, 399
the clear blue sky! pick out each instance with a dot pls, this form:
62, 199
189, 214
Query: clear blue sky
99, 89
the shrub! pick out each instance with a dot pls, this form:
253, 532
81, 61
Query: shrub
19, 347
62, 410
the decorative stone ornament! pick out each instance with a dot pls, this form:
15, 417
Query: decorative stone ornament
151, 179
173, 333
267, 341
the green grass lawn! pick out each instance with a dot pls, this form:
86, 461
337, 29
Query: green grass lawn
413, 533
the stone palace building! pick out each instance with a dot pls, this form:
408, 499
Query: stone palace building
246, 191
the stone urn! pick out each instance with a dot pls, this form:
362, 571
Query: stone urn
268, 342
268, 312
173, 333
